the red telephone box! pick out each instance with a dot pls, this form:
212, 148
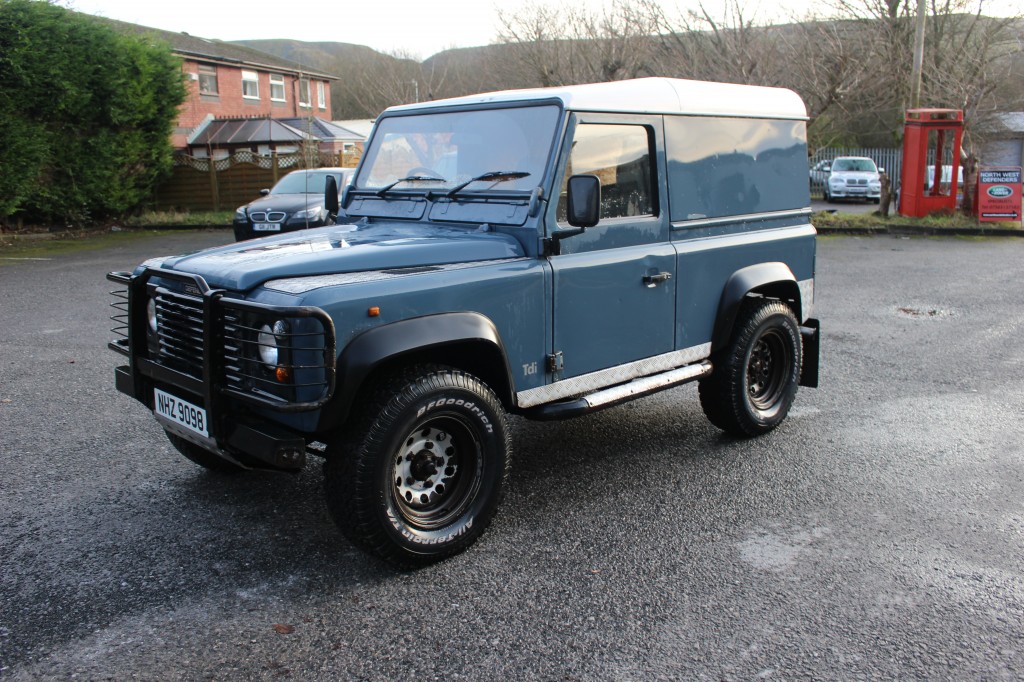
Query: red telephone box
931, 161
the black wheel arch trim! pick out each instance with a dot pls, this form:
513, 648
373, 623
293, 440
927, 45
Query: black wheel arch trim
773, 279
405, 338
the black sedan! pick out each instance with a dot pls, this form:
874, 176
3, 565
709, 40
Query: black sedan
296, 202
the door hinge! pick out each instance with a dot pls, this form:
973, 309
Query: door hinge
555, 362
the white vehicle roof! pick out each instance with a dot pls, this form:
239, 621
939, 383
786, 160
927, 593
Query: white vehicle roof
650, 96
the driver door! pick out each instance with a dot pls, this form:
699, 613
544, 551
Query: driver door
613, 294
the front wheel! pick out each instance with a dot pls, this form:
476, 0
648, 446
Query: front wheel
421, 470
755, 377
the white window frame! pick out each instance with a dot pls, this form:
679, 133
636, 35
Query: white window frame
321, 95
306, 103
278, 80
250, 77
208, 72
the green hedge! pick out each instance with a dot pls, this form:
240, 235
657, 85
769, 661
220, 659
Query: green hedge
86, 115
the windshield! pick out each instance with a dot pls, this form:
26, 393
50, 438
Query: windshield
457, 147
305, 182
854, 165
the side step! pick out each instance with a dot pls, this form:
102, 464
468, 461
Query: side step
617, 395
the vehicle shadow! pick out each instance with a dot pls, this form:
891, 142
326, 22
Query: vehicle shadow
181, 535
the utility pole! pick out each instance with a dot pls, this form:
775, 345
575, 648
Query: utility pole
915, 74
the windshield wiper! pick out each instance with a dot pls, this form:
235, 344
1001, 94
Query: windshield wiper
412, 178
496, 176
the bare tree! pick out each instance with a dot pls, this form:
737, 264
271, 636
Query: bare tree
377, 81
559, 45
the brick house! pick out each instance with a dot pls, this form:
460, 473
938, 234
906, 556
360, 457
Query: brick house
226, 80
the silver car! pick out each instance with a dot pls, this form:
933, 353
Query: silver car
853, 177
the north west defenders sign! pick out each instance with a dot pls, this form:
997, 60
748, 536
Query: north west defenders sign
999, 192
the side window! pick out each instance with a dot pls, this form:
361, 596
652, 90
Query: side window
277, 91
250, 85
720, 167
620, 155
207, 80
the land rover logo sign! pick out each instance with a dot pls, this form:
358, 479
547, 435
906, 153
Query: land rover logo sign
999, 194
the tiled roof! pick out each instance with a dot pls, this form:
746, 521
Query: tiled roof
190, 46
1013, 121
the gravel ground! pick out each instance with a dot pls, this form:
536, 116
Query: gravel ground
879, 533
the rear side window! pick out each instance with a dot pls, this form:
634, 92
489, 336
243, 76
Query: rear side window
720, 167
621, 156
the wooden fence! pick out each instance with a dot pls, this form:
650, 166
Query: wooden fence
202, 184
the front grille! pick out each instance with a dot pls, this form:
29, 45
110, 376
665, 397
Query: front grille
302, 378
179, 333
265, 217
856, 181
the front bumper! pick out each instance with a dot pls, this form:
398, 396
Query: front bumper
209, 376
243, 228
848, 193
248, 445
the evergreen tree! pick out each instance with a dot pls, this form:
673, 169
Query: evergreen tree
86, 114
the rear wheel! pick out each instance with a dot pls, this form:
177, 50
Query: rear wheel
755, 377
421, 471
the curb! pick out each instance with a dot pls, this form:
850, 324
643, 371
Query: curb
83, 234
921, 231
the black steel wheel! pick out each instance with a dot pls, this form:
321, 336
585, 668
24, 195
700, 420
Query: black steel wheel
419, 474
755, 378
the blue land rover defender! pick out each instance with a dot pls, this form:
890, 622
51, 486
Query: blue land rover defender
545, 253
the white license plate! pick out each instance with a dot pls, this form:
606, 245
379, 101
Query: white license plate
266, 227
179, 411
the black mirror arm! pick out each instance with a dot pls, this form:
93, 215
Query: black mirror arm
559, 235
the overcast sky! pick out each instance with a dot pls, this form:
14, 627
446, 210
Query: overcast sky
418, 27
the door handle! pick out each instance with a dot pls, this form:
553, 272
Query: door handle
651, 281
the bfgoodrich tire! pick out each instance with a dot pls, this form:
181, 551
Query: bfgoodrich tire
755, 377
421, 470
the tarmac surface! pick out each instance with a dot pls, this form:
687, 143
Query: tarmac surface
877, 534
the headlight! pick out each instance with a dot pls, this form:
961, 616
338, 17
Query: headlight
313, 212
836, 181
151, 314
268, 340
240, 213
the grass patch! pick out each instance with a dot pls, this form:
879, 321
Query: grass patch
198, 218
862, 221
15, 250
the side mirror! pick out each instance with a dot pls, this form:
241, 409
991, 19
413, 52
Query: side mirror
881, 170
827, 169
264, 192
331, 197
583, 200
